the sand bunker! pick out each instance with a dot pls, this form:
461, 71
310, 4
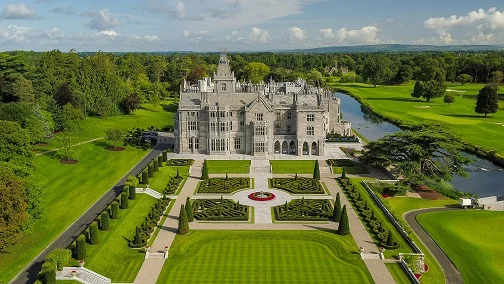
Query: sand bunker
455, 91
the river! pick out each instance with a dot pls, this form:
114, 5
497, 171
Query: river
485, 178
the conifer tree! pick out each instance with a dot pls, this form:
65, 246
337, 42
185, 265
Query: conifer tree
93, 233
137, 240
183, 226
105, 226
316, 171
337, 209
189, 210
390, 239
204, 171
114, 210
343, 174
344, 226
80, 247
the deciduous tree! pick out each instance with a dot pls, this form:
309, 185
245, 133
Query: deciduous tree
487, 100
448, 98
115, 135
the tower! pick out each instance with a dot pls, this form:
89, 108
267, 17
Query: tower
224, 79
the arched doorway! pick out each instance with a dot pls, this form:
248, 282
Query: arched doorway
305, 149
314, 148
277, 147
292, 148
285, 149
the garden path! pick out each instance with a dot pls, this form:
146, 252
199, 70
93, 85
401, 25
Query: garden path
80, 143
149, 272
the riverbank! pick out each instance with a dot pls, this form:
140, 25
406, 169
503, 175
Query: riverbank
419, 115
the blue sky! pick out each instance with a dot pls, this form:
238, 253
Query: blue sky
203, 25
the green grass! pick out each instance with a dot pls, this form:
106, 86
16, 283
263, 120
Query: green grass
401, 205
472, 240
161, 178
396, 102
112, 257
95, 127
356, 169
69, 190
398, 273
387, 225
228, 166
264, 257
293, 167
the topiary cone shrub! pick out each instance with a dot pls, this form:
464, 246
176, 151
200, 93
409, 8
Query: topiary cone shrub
390, 243
189, 210
160, 161
132, 192
124, 200
183, 226
114, 210
165, 156
204, 171
139, 240
344, 226
145, 177
150, 171
155, 166
93, 233
343, 174
105, 221
49, 272
337, 209
316, 171
80, 247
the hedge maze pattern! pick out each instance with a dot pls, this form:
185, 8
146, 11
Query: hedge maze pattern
219, 210
180, 162
223, 185
173, 185
304, 210
298, 185
143, 232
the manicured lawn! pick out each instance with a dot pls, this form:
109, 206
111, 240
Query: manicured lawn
472, 240
293, 167
228, 166
356, 169
396, 102
401, 205
264, 257
112, 257
69, 190
95, 127
398, 273
161, 178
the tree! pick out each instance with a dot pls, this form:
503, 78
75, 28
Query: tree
255, 72
93, 233
71, 118
316, 171
138, 239
14, 213
132, 192
189, 210
487, 100
390, 239
204, 171
80, 247
130, 103
464, 78
61, 257
343, 173
496, 78
428, 89
183, 225
337, 209
105, 221
114, 210
448, 98
16, 151
344, 225
65, 96
22, 88
49, 271
377, 69
425, 152
115, 135
68, 149
124, 200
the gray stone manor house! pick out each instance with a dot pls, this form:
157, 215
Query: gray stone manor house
221, 115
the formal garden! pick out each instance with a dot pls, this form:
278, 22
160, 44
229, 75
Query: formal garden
225, 185
254, 257
298, 185
304, 210
163, 178
219, 210
350, 166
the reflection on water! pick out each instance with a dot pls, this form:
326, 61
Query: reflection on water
485, 178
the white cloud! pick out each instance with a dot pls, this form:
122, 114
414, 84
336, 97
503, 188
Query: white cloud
108, 33
14, 33
258, 35
367, 35
145, 38
63, 10
177, 11
297, 34
102, 20
18, 11
196, 36
327, 33
481, 21
53, 33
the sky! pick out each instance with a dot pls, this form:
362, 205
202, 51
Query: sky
243, 25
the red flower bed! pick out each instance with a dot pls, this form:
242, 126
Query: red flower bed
386, 195
426, 268
256, 196
418, 276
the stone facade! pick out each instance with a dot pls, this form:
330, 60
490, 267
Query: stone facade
223, 116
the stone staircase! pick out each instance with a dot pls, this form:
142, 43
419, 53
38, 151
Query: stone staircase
324, 167
158, 255
150, 192
82, 275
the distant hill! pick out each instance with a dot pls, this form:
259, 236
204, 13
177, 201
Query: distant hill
396, 48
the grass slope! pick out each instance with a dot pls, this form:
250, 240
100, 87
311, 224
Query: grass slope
228, 166
112, 257
398, 273
264, 257
161, 178
396, 102
472, 240
293, 167
95, 127
69, 191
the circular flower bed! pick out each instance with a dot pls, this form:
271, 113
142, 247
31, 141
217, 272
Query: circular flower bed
261, 196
